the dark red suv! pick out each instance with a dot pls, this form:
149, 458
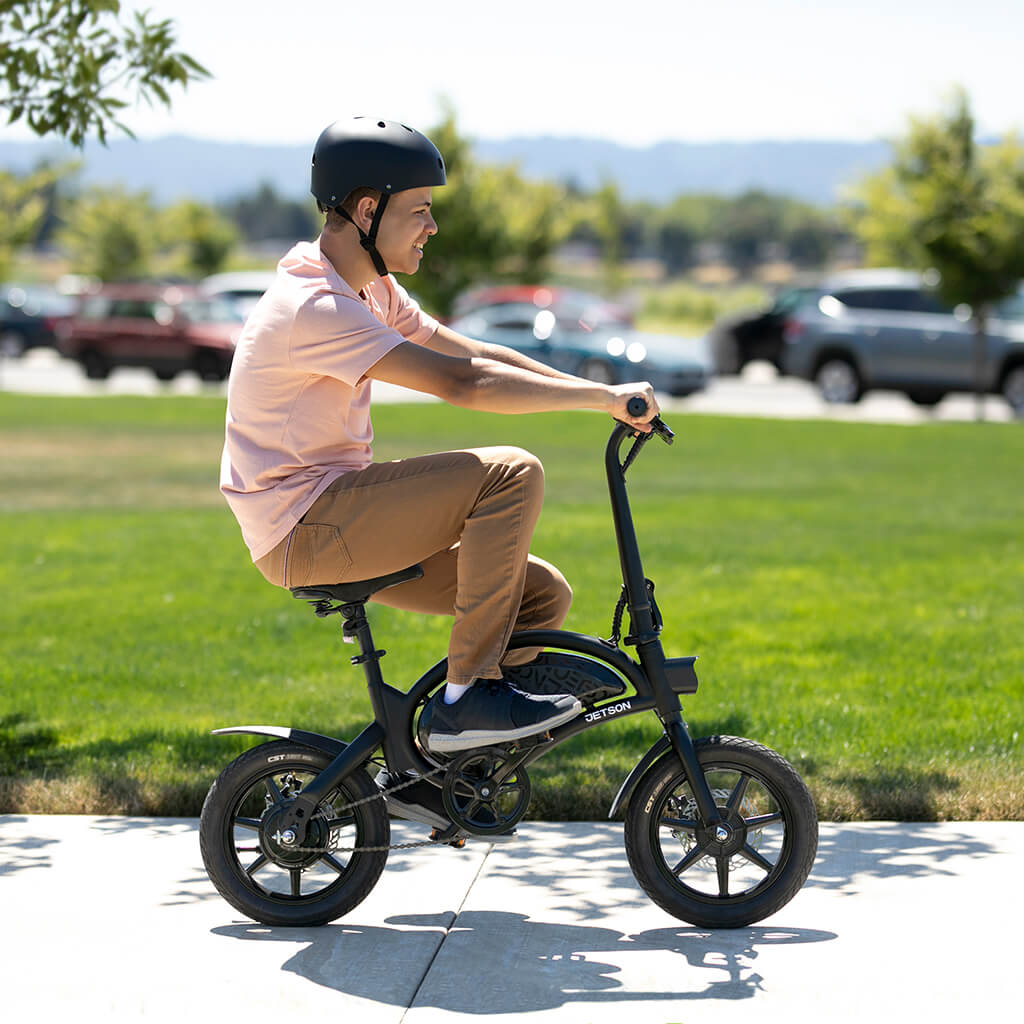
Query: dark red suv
165, 328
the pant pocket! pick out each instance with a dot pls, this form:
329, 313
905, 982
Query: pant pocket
316, 554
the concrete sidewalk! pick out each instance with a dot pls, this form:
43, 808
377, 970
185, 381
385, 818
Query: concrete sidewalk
115, 918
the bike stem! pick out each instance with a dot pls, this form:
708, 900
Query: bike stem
645, 630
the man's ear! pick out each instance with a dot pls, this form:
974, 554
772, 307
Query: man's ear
365, 209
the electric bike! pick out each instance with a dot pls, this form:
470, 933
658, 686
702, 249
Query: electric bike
720, 832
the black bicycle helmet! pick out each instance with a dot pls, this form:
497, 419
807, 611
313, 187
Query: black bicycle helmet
362, 152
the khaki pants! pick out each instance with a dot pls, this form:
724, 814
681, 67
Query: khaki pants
467, 517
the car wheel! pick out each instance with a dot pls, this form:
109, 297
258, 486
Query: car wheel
96, 366
1013, 389
926, 397
598, 370
12, 344
725, 352
165, 374
838, 381
210, 366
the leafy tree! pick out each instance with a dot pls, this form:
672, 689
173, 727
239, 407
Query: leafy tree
24, 203
203, 237
68, 64
263, 215
492, 225
949, 206
111, 234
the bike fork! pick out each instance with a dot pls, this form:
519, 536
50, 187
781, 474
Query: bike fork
684, 749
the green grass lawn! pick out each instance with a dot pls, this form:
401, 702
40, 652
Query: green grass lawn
855, 594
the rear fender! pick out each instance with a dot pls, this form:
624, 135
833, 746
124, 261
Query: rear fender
660, 748
326, 744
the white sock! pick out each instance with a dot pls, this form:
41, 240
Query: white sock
453, 691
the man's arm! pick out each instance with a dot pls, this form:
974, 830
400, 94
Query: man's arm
479, 382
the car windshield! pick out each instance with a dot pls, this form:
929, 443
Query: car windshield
1011, 308
211, 311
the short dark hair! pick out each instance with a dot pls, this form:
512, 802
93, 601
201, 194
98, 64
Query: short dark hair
335, 222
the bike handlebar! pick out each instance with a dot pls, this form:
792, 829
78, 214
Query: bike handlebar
637, 406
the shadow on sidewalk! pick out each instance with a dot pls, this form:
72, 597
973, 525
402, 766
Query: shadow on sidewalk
543, 965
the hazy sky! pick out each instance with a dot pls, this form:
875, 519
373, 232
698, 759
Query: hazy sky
631, 72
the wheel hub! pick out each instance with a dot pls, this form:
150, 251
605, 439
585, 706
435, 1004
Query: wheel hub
725, 837
282, 845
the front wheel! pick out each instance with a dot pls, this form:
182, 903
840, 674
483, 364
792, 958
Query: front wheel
838, 381
735, 872
250, 861
1012, 388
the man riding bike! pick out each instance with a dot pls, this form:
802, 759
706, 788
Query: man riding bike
297, 468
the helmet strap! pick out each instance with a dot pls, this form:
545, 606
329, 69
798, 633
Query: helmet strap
368, 239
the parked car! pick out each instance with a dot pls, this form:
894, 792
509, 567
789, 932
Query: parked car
745, 336
888, 329
607, 354
568, 304
29, 316
165, 328
244, 288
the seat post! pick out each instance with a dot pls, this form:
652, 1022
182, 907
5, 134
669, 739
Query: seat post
356, 629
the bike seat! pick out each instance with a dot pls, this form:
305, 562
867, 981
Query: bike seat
361, 590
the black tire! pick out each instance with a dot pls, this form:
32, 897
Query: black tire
839, 381
164, 374
210, 366
95, 365
265, 880
1012, 389
926, 397
762, 863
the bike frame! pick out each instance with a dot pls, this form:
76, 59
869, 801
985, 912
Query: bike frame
656, 680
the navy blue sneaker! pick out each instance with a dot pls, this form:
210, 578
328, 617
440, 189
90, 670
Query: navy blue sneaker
491, 711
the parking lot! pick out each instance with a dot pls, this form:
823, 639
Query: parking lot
757, 392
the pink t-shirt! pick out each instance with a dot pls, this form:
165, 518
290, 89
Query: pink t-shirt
298, 402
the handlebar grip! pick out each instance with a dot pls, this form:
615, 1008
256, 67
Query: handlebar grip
636, 406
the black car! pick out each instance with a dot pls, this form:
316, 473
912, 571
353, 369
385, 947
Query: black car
739, 338
29, 316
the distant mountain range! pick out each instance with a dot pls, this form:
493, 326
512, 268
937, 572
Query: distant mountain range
176, 166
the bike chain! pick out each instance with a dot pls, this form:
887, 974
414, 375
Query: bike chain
380, 795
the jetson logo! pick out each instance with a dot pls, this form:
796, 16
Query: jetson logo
614, 709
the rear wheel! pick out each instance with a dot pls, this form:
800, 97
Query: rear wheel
211, 366
249, 858
1013, 389
95, 365
740, 870
838, 381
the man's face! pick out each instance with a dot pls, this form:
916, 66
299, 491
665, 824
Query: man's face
404, 230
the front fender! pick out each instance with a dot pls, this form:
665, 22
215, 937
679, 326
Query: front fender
327, 744
662, 746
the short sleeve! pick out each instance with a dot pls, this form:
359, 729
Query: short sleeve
337, 336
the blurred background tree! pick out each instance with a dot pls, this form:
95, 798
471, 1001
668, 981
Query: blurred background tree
24, 205
111, 234
199, 238
69, 64
493, 225
952, 207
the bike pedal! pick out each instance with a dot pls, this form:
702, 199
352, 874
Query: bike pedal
450, 836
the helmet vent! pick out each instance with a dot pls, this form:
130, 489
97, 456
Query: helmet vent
381, 124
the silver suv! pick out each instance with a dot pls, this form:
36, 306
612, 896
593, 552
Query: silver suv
868, 329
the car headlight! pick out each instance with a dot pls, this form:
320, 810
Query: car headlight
636, 353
